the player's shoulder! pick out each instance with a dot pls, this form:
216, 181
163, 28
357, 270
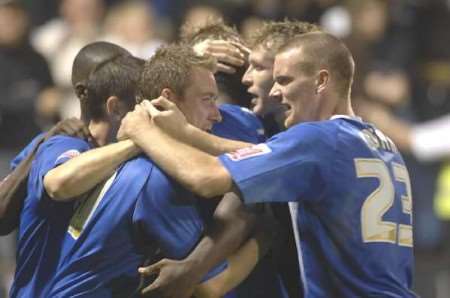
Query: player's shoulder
157, 178
65, 140
61, 148
312, 131
159, 185
239, 123
26, 151
239, 113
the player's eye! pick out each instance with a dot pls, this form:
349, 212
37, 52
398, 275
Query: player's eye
281, 80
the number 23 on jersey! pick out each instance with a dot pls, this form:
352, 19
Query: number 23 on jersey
378, 203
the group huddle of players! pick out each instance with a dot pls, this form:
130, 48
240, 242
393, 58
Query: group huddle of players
159, 190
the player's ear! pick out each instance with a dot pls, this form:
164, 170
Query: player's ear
169, 94
322, 80
81, 90
113, 106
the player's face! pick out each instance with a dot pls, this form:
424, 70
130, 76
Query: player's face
199, 99
297, 90
259, 80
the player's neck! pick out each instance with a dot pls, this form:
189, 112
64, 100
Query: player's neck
100, 131
344, 107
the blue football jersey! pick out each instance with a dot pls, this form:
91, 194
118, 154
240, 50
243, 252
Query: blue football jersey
350, 199
106, 241
158, 213
42, 220
240, 124
101, 250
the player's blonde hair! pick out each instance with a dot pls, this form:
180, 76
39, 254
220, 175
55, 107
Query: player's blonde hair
274, 35
170, 67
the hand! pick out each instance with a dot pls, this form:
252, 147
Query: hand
72, 127
134, 124
230, 55
176, 279
166, 115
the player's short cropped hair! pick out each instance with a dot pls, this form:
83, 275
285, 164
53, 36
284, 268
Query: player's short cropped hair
117, 76
90, 56
274, 35
322, 50
170, 67
214, 29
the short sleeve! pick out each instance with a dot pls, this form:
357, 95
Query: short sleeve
287, 168
54, 152
26, 151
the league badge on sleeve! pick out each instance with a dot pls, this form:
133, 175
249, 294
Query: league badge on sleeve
68, 155
249, 152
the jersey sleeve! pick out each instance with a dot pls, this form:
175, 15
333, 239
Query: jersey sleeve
289, 167
26, 151
239, 124
54, 152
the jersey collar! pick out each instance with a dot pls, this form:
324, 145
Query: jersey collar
346, 117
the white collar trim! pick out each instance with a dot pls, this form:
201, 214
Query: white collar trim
345, 117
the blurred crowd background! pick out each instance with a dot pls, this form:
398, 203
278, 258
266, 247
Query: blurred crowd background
402, 53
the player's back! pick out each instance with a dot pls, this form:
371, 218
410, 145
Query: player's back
356, 233
101, 249
42, 220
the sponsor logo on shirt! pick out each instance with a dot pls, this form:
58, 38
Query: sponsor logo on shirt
249, 152
68, 154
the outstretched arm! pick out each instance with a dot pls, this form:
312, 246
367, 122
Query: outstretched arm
13, 187
196, 170
240, 264
231, 225
180, 278
83, 172
172, 121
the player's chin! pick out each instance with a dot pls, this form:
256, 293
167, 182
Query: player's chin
208, 127
289, 120
257, 108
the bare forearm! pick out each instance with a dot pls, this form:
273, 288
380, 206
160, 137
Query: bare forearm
83, 172
198, 171
231, 225
240, 264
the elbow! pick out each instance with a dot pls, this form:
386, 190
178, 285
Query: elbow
56, 187
210, 185
206, 185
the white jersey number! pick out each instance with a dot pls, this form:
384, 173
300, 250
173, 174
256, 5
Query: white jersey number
373, 228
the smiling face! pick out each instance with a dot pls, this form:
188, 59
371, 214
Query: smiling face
259, 80
295, 82
198, 102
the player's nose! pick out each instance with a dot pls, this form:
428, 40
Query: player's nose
247, 79
215, 115
275, 93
